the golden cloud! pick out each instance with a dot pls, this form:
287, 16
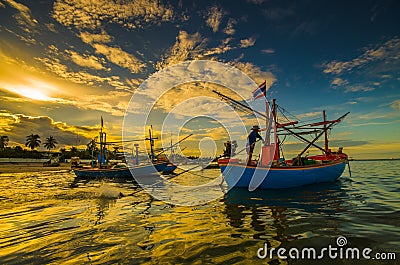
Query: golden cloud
119, 57
229, 29
24, 15
388, 51
256, 73
83, 14
88, 61
214, 18
395, 105
186, 47
247, 42
90, 38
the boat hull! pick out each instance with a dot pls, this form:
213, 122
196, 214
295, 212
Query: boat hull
169, 168
126, 172
103, 173
143, 170
239, 175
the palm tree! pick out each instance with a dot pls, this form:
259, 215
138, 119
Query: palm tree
50, 143
33, 141
73, 151
3, 142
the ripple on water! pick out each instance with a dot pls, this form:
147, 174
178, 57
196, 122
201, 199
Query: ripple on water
56, 218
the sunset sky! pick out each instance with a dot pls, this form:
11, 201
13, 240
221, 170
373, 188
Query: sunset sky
64, 64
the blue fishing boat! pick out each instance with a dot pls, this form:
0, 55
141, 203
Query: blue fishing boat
271, 171
102, 172
144, 170
155, 165
161, 156
276, 177
169, 169
120, 172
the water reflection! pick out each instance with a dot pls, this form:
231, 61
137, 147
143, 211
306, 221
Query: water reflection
57, 218
103, 204
281, 217
325, 198
79, 181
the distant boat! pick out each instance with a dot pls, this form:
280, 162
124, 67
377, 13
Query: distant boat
105, 170
272, 171
119, 172
170, 167
144, 170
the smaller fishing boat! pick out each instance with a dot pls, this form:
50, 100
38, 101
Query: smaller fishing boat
145, 170
161, 156
169, 168
271, 170
155, 166
104, 169
103, 172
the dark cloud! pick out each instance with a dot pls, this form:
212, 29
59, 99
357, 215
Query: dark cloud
44, 127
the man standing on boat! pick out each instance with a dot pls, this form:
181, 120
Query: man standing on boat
251, 141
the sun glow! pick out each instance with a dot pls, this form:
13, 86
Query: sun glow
32, 94
33, 90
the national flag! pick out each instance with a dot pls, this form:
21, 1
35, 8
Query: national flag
260, 91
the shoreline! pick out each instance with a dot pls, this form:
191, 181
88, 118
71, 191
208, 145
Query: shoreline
374, 159
23, 167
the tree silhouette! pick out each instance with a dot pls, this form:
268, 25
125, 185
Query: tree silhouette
18, 149
3, 142
73, 151
50, 143
32, 141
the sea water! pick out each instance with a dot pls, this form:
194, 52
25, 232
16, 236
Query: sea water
55, 218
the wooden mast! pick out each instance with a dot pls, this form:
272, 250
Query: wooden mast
105, 149
151, 144
326, 134
267, 124
276, 155
101, 142
103, 145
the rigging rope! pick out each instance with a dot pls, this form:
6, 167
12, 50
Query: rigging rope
290, 114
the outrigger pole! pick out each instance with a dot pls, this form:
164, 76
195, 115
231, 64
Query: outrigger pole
323, 132
120, 142
173, 145
326, 143
240, 104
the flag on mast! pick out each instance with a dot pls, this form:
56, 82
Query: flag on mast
260, 91
101, 121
